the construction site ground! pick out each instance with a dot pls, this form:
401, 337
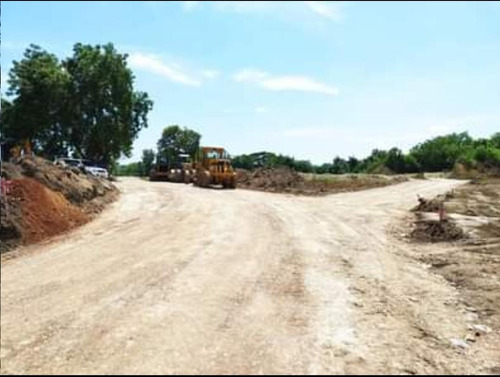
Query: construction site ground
178, 279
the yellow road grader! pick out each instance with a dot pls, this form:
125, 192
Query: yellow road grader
213, 167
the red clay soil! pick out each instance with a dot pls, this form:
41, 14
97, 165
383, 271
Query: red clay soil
45, 213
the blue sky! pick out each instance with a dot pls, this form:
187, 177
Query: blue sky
308, 79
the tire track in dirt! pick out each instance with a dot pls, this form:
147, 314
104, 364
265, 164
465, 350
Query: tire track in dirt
187, 280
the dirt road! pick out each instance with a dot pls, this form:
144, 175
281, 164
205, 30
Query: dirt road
176, 279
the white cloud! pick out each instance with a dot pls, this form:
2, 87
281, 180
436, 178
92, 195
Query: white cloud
189, 5
154, 64
261, 109
326, 9
280, 83
210, 73
246, 6
298, 83
249, 75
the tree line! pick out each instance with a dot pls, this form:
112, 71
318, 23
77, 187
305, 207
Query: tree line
83, 106
437, 154
440, 153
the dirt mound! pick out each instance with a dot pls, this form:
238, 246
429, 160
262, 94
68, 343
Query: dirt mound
436, 231
79, 188
432, 205
46, 199
11, 228
429, 205
45, 212
282, 179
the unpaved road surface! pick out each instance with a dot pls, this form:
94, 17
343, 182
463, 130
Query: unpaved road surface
176, 279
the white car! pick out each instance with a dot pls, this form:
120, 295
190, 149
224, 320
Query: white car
97, 171
84, 165
75, 162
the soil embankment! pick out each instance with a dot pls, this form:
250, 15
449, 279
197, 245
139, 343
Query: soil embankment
40, 200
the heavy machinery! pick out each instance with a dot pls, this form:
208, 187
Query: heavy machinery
213, 167
177, 169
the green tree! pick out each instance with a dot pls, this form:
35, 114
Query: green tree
495, 140
303, 166
39, 84
340, 166
104, 111
175, 140
148, 158
6, 117
411, 164
323, 168
134, 169
488, 156
353, 164
441, 153
395, 160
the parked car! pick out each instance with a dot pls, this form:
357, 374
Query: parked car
85, 166
93, 169
74, 162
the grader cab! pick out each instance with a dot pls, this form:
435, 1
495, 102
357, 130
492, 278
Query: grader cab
213, 167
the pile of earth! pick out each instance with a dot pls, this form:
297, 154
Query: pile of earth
426, 229
286, 180
432, 205
436, 231
44, 200
280, 179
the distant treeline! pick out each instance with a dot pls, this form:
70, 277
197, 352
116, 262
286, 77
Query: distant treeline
438, 154
441, 153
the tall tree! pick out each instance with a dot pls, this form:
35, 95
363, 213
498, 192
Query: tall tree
105, 113
39, 84
175, 140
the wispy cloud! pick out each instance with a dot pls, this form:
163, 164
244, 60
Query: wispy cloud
154, 64
189, 5
326, 9
210, 73
261, 110
283, 83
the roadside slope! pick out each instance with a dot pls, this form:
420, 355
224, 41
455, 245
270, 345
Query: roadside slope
41, 200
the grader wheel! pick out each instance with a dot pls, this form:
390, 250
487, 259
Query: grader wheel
188, 176
202, 178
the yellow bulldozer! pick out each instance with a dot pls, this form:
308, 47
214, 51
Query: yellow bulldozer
213, 167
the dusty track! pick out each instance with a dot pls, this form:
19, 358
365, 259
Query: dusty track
176, 279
